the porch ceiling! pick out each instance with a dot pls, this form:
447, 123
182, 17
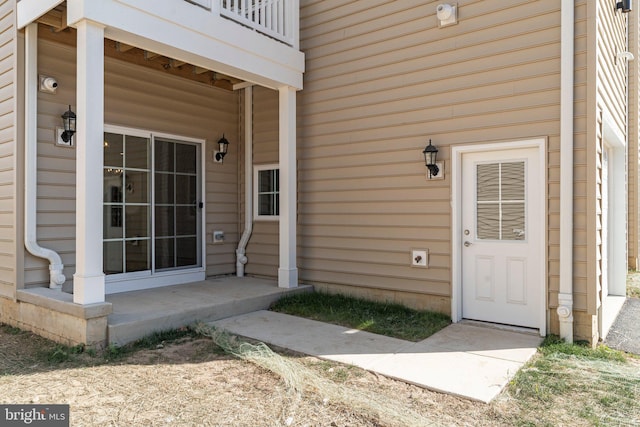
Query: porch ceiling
53, 27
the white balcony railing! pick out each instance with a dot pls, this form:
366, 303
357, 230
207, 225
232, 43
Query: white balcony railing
275, 18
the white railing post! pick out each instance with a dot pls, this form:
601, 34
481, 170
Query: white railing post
275, 18
216, 5
293, 32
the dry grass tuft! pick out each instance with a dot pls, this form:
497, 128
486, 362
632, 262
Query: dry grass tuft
570, 389
301, 381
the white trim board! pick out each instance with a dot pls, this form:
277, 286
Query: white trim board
456, 216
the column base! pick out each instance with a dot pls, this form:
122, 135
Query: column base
88, 289
287, 278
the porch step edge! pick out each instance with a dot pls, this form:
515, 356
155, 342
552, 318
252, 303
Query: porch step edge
129, 331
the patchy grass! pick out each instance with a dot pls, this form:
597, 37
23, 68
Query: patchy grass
553, 345
393, 320
577, 385
42, 355
154, 341
181, 378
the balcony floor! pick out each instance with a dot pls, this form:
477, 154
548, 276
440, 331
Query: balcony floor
139, 313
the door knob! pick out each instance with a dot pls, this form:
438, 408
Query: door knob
467, 244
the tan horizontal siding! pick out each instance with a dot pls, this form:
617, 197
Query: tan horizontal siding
9, 211
138, 98
381, 80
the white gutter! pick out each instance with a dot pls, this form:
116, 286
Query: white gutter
565, 296
241, 258
56, 277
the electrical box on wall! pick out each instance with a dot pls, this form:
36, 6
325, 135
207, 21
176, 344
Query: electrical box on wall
60, 142
420, 258
218, 236
440, 175
447, 14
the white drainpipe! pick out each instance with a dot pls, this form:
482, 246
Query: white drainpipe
241, 258
565, 296
56, 277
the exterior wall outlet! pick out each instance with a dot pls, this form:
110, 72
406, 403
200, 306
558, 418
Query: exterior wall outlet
420, 258
218, 236
447, 14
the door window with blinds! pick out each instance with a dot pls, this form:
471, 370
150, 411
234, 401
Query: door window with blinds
152, 217
501, 201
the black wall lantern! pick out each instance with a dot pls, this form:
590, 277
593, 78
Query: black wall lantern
69, 122
625, 5
223, 146
430, 156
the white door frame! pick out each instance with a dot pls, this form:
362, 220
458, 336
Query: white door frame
135, 281
456, 214
614, 142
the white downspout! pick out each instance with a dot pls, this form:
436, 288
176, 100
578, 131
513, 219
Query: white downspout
56, 277
241, 258
565, 296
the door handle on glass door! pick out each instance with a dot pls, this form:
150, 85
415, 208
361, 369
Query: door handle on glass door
467, 244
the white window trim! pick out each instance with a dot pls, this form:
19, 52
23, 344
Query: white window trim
256, 170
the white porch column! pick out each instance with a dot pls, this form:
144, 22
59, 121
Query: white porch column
88, 281
288, 271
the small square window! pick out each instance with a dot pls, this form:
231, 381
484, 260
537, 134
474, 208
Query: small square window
266, 198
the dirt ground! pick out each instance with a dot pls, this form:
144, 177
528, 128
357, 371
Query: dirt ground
191, 382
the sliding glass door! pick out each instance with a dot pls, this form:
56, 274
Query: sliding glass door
152, 204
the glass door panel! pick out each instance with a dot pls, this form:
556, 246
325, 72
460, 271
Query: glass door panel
127, 219
177, 211
152, 218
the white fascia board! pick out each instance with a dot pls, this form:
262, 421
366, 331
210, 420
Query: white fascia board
30, 10
189, 33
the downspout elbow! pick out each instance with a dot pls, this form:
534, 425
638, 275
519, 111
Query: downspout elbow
565, 317
241, 260
56, 276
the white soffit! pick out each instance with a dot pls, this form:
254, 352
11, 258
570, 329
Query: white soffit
30, 10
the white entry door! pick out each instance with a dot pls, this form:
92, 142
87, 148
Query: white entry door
502, 236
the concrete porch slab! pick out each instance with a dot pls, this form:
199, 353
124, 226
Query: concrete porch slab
471, 361
137, 314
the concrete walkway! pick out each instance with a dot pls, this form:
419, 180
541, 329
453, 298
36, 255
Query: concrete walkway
465, 359
625, 333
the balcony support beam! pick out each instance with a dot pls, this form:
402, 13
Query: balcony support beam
89, 279
288, 271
